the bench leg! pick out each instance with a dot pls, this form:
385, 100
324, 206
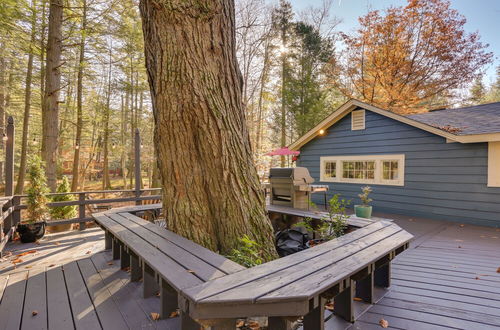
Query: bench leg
315, 319
149, 284
135, 268
107, 241
116, 249
343, 304
187, 323
168, 299
124, 257
383, 276
364, 288
279, 323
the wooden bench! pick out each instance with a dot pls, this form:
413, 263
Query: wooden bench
214, 291
167, 262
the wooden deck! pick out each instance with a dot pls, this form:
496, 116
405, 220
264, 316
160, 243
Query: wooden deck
447, 280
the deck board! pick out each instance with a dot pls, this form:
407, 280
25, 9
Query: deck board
36, 290
58, 308
12, 301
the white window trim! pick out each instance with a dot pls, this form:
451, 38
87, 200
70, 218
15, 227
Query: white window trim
494, 164
378, 169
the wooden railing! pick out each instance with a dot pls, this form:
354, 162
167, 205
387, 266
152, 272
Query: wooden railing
12, 207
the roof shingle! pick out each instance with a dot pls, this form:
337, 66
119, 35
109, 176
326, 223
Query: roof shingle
478, 119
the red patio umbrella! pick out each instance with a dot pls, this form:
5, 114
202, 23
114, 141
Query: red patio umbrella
283, 152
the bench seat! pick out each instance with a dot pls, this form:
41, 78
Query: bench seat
210, 289
296, 284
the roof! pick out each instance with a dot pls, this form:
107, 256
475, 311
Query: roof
464, 130
478, 119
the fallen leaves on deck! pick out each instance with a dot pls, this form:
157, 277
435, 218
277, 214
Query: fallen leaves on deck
383, 323
52, 265
329, 306
240, 324
174, 314
155, 316
25, 253
34, 313
498, 270
126, 269
191, 271
110, 263
17, 260
253, 325
57, 243
88, 252
357, 299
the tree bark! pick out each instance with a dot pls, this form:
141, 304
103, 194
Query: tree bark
106, 182
27, 106
210, 185
3, 90
79, 100
50, 108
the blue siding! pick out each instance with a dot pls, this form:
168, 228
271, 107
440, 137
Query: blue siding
446, 181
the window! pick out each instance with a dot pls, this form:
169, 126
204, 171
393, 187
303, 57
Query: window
370, 169
390, 170
331, 169
358, 120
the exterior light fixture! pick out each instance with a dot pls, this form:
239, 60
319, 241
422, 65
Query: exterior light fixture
321, 132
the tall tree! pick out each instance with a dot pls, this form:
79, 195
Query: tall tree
79, 98
282, 22
210, 184
404, 58
50, 107
477, 91
27, 102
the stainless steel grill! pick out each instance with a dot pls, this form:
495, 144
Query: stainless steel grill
292, 186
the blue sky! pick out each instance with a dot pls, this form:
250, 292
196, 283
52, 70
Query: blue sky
482, 16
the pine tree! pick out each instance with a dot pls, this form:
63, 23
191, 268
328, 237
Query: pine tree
63, 212
37, 192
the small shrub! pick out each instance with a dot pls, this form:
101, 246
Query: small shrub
37, 191
248, 253
364, 196
63, 212
334, 223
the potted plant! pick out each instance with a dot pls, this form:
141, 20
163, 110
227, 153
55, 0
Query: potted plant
33, 228
364, 210
63, 212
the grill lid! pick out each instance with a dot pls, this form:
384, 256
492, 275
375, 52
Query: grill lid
299, 175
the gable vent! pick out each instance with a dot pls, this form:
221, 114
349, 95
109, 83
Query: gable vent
358, 120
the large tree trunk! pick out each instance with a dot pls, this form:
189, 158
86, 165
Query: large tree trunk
210, 186
27, 106
3, 91
50, 108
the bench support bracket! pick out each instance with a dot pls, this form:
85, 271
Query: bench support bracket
315, 319
149, 284
168, 299
343, 303
279, 323
135, 268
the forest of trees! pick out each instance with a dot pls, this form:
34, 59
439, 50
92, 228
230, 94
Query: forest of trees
73, 76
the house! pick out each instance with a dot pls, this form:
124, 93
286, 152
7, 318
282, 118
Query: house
444, 164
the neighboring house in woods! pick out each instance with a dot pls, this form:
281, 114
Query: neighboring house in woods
444, 164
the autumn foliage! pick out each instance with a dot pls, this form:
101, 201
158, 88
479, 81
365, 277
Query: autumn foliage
408, 59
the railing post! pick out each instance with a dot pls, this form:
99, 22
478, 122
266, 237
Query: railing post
137, 168
9, 158
81, 209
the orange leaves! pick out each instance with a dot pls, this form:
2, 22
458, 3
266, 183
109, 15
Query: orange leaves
329, 306
155, 316
26, 253
383, 323
498, 270
174, 314
34, 313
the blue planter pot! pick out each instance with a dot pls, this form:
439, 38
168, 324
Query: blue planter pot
363, 211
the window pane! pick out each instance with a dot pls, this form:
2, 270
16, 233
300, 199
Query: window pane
330, 169
390, 170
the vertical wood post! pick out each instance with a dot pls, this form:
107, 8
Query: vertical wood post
9, 158
81, 209
137, 168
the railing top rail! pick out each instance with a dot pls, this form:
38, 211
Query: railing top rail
94, 192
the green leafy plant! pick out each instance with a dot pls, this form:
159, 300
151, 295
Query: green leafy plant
63, 212
37, 191
364, 196
248, 253
334, 223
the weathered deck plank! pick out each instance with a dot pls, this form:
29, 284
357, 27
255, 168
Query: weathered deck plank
12, 301
84, 314
35, 308
58, 308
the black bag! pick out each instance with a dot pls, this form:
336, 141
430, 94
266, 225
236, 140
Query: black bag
290, 241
